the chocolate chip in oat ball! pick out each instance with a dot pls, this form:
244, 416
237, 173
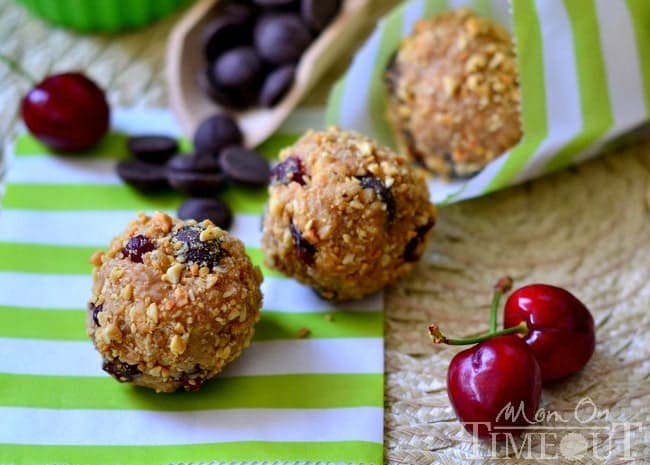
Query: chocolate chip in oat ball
136, 247
196, 163
230, 29
276, 85
215, 133
194, 250
200, 209
317, 14
304, 248
410, 251
289, 170
152, 148
121, 371
146, 177
383, 192
244, 166
195, 182
239, 68
281, 38
95, 309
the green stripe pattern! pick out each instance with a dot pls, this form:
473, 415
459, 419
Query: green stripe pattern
592, 85
285, 391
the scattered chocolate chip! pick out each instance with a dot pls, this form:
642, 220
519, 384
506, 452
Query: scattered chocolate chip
244, 166
226, 31
239, 68
384, 193
304, 248
289, 170
121, 371
95, 309
200, 209
195, 183
142, 176
194, 250
281, 38
215, 133
410, 251
276, 85
136, 247
152, 149
317, 14
195, 163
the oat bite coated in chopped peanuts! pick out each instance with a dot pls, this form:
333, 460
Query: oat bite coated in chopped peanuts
172, 302
345, 216
453, 93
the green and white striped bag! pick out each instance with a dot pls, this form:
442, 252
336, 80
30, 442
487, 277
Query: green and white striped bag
584, 74
318, 399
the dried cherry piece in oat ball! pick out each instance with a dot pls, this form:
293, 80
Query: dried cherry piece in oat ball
410, 251
137, 246
383, 192
288, 170
194, 250
304, 248
121, 371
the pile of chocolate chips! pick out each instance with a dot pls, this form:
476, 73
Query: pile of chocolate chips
219, 158
253, 46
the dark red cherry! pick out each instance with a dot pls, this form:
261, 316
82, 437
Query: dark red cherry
495, 387
560, 328
66, 112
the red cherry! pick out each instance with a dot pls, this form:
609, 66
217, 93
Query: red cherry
66, 112
560, 328
487, 379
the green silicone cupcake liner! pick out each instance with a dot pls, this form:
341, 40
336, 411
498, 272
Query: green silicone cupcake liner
101, 15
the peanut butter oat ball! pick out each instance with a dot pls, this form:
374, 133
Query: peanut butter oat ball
345, 216
453, 93
172, 302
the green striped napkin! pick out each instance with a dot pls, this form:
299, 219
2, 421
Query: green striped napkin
318, 399
584, 74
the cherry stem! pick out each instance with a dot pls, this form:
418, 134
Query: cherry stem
502, 286
16, 68
438, 338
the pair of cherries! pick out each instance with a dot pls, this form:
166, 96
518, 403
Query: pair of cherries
496, 385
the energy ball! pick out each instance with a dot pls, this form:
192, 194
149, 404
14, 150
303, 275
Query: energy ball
453, 93
345, 216
173, 302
